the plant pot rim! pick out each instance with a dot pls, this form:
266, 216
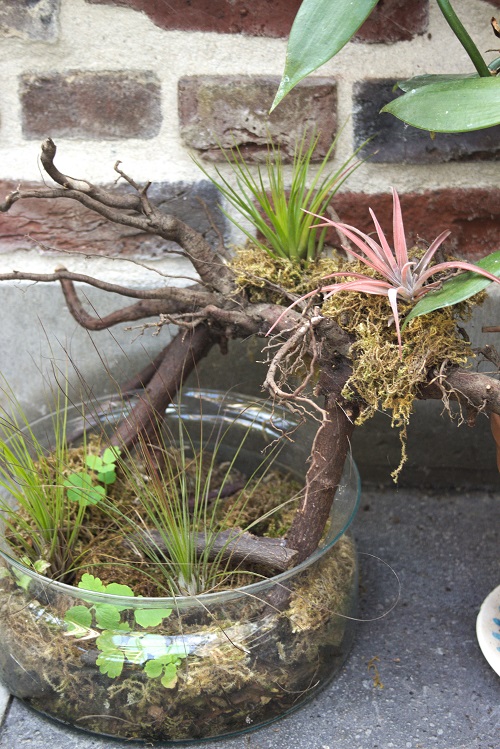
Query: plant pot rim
250, 590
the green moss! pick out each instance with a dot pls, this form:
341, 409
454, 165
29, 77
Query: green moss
268, 279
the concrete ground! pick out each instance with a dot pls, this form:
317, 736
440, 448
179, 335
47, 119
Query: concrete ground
428, 686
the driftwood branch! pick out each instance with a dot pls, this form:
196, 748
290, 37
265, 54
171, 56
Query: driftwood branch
471, 389
179, 359
137, 212
234, 546
328, 455
175, 301
62, 274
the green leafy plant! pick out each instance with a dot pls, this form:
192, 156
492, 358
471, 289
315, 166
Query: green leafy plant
117, 642
104, 465
439, 103
398, 275
276, 211
80, 484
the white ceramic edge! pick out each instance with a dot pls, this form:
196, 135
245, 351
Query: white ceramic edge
4, 701
490, 645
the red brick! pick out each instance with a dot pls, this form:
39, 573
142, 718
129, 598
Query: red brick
94, 106
272, 18
63, 224
395, 21
391, 21
472, 216
230, 110
35, 20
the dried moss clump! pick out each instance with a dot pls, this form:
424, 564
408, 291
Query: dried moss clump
269, 279
324, 589
383, 379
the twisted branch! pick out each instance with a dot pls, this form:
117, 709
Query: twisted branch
135, 211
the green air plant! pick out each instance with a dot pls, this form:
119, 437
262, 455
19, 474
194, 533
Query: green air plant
41, 525
180, 482
451, 103
275, 210
395, 273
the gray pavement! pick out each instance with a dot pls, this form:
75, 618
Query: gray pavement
434, 688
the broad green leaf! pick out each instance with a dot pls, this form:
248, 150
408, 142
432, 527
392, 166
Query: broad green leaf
110, 454
89, 582
320, 30
457, 289
94, 462
111, 664
169, 678
107, 476
107, 616
41, 566
95, 495
22, 580
453, 106
81, 489
79, 618
153, 669
106, 643
151, 617
425, 80
117, 589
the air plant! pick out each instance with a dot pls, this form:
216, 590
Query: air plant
42, 526
402, 277
276, 210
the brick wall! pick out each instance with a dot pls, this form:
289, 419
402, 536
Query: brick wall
150, 83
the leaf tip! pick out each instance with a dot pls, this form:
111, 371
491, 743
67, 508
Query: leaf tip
285, 86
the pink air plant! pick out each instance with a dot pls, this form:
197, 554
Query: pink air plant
402, 278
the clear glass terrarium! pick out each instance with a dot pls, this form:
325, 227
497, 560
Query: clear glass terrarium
194, 667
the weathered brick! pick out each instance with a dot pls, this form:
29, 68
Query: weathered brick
395, 21
391, 21
472, 216
272, 18
395, 142
65, 225
81, 104
34, 20
229, 110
